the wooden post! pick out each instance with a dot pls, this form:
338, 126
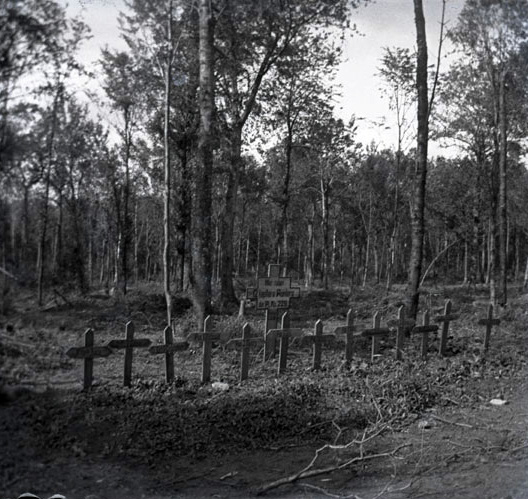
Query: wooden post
244, 362
317, 342
207, 339
285, 333
402, 325
349, 346
445, 320
284, 341
88, 353
318, 338
400, 333
169, 348
489, 322
376, 324
348, 330
272, 322
424, 330
376, 332
129, 343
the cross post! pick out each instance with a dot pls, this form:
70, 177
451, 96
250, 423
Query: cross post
318, 338
169, 348
445, 320
489, 322
88, 353
375, 333
348, 330
284, 333
246, 346
129, 343
402, 325
207, 338
424, 330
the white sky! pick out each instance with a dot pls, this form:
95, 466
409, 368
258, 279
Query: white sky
382, 23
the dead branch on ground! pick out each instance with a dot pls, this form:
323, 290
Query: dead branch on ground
310, 471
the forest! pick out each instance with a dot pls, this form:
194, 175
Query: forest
226, 152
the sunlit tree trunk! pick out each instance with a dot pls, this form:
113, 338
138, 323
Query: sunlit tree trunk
202, 219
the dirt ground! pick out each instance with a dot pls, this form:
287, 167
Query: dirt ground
460, 446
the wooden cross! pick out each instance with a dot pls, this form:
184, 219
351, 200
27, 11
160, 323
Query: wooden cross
284, 333
88, 352
445, 320
246, 341
207, 338
129, 343
348, 330
424, 330
375, 333
489, 322
169, 348
318, 338
402, 325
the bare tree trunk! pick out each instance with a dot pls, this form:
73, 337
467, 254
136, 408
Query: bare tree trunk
44, 228
167, 171
325, 202
420, 172
202, 221
502, 204
227, 222
310, 254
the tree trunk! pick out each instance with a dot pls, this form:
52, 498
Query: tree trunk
44, 228
325, 203
227, 222
202, 220
420, 173
502, 202
167, 171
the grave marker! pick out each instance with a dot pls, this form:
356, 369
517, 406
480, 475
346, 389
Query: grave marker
318, 338
129, 343
489, 322
402, 325
445, 320
207, 338
424, 330
348, 330
285, 333
246, 341
375, 333
88, 352
169, 348
273, 293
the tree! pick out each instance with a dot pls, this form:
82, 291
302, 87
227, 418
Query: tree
202, 217
494, 34
251, 39
398, 73
420, 170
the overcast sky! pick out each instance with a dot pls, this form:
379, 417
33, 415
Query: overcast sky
382, 23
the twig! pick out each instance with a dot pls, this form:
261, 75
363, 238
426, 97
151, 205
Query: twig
308, 472
58, 293
447, 421
329, 494
515, 449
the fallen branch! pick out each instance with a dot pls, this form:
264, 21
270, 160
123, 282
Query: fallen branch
60, 295
447, 421
9, 274
308, 472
